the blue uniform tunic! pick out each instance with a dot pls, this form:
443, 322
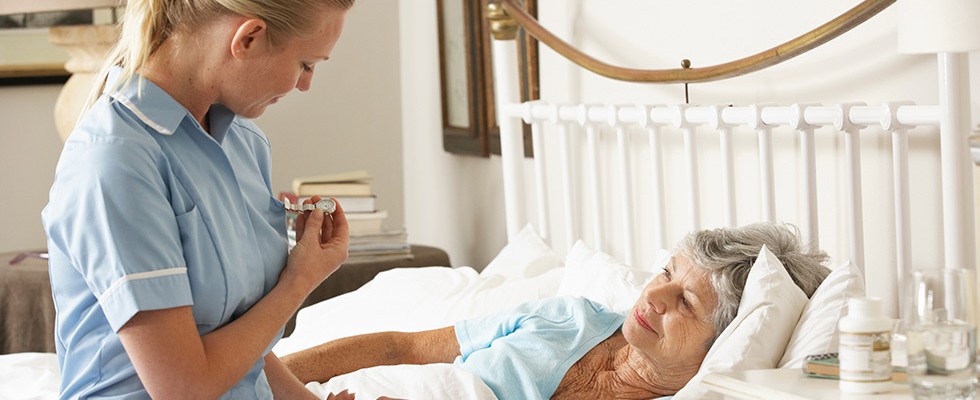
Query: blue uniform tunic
148, 211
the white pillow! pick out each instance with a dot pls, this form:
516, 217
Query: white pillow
525, 256
770, 307
816, 332
431, 381
599, 277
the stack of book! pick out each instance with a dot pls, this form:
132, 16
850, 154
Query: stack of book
369, 240
828, 366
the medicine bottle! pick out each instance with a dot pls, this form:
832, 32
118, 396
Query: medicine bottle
865, 350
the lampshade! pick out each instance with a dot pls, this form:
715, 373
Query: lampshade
35, 6
934, 26
86, 45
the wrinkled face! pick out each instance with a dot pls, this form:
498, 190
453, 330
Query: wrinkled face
274, 72
669, 324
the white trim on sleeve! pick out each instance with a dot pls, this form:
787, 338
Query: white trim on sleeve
140, 275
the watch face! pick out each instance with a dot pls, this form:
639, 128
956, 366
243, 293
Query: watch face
327, 205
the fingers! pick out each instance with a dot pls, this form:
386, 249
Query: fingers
339, 222
340, 396
327, 226
313, 224
327, 232
302, 218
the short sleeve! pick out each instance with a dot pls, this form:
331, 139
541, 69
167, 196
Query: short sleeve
524, 353
109, 211
478, 333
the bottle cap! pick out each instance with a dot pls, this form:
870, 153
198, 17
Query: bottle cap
864, 307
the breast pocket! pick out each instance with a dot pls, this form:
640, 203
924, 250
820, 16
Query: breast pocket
204, 269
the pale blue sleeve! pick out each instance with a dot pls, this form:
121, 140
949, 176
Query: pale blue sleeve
478, 333
525, 352
109, 213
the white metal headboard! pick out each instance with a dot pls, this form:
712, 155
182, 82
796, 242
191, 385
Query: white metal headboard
590, 124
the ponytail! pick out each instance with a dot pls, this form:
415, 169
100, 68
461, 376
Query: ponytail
145, 26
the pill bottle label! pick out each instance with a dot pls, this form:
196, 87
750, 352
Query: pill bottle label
865, 357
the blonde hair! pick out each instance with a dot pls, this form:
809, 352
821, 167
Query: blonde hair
147, 24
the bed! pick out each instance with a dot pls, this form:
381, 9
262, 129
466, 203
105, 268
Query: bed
613, 185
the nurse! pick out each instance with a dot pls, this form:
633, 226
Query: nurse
169, 262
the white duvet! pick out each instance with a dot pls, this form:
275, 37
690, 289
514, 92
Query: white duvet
29, 376
402, 299
413, 300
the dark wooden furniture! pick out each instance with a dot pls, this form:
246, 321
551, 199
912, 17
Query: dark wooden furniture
26, 306
27, 309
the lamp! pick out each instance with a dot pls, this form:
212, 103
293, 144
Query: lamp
87, 46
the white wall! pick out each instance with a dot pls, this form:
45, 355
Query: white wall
453, 201
862, 65
350, 119
29, 149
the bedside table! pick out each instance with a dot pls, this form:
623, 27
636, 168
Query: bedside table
26, 305
789, 384
27, 308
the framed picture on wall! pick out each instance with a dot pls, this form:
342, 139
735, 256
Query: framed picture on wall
26, 56
468, 115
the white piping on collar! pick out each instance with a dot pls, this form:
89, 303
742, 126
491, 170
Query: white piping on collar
139, 114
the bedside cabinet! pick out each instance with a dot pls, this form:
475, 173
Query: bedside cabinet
789, 384
27, 308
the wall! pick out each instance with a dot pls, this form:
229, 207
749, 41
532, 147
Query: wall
29, 149
348, 120
452, 201
862, 65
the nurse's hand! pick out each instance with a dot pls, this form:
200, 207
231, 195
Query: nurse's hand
341, 396
321, 246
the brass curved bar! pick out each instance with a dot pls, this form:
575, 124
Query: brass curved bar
792, 48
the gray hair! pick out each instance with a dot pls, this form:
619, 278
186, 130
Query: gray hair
728, 255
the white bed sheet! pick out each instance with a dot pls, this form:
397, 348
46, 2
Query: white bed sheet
29, 376
408, 300
414, 299
394, 300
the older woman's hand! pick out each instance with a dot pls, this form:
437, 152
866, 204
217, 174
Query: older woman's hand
321, 246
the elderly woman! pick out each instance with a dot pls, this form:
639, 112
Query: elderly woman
575, 348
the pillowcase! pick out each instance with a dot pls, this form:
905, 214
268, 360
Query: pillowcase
524, 257
816, 332
770, 307
599, 277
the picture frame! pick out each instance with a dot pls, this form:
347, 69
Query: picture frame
26, 56
466, 77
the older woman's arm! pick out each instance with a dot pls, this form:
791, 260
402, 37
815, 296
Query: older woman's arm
282, 382
349, 354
